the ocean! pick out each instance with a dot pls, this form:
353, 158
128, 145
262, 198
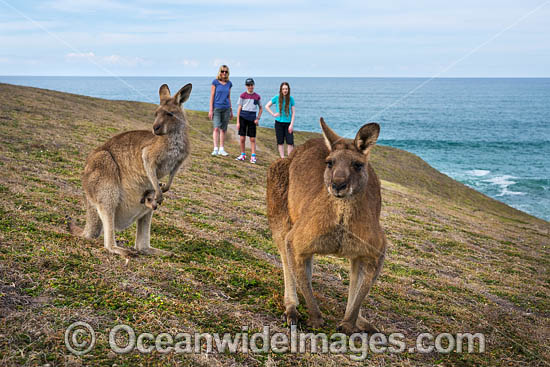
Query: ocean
492, 134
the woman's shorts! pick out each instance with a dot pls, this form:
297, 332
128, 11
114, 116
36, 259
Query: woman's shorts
247, 127
221, 118
281, 131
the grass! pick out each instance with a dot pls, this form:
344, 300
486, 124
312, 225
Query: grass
458, 261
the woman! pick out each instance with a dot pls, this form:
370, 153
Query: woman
220, 108
284, 119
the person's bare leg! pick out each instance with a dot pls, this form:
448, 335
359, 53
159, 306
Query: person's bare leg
242, 141
281, 148
222, 138
216, 137
252, 145
289, 149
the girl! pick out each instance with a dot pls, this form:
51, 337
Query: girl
284, 119
220, 108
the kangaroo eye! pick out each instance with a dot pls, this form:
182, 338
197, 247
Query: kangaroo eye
170, 114
358, 166
329, 164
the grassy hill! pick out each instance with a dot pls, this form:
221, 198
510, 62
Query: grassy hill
457, 260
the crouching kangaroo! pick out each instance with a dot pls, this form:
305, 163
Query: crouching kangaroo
325, 199
119, 174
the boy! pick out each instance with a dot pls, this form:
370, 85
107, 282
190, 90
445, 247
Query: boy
247, 120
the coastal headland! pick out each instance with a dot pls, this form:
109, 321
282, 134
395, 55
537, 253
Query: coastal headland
457, 262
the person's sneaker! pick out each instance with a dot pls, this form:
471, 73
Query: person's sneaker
253, 158
215, 151
241, 157
222, 152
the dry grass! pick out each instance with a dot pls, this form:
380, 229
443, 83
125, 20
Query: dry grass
457, 261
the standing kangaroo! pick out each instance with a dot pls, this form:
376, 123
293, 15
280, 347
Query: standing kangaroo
119, 173
325, 199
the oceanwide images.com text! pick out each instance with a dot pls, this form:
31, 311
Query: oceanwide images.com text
80, 339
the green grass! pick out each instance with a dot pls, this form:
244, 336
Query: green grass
457, 261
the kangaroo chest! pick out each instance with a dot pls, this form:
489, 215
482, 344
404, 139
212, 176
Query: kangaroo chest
172, 157
343, 234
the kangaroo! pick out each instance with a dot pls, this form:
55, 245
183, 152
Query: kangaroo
118, 175
148, 199
325, 199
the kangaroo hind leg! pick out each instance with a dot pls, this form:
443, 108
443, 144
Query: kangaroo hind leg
143, 237
101, 183
93, 226
279, 222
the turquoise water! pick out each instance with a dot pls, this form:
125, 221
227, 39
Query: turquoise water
491, 134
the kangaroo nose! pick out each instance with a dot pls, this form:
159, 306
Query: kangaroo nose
339, 186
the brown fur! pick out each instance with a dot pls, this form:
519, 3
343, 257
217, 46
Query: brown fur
120, 173
325, 199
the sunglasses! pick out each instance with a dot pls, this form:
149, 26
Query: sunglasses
224, 71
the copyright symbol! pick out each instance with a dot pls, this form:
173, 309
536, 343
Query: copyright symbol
79, 338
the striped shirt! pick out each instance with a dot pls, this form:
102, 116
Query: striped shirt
250, 103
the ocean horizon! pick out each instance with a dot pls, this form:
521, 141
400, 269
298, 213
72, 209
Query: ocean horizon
492, 134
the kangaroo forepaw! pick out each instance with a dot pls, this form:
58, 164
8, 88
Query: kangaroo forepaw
164, 187
159, 198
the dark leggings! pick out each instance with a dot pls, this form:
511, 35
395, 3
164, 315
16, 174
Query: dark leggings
281, 131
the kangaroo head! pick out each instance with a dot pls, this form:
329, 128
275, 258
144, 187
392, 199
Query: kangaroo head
346, 164
169, 115
148, 199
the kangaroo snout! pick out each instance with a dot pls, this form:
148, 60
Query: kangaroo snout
339, 182
339, 186
157, 129
340, 189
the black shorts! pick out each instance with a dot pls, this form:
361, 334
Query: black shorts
281, 131
247, 127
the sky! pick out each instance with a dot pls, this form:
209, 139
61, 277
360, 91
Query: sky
284, 38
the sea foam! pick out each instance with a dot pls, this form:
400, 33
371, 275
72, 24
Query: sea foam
504, 182
478, 172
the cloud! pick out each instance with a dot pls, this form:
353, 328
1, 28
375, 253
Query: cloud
81, 6
191, 63
344, 37
218, 62
84, 55
106, 60
21, 26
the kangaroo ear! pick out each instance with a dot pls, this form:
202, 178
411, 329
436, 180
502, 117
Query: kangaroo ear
183, 94
164, 92
330, 136
366, 137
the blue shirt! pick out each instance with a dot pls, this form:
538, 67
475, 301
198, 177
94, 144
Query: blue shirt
283, 117
221, 96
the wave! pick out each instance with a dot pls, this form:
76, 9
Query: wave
478, 172
504, 182
505, 191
